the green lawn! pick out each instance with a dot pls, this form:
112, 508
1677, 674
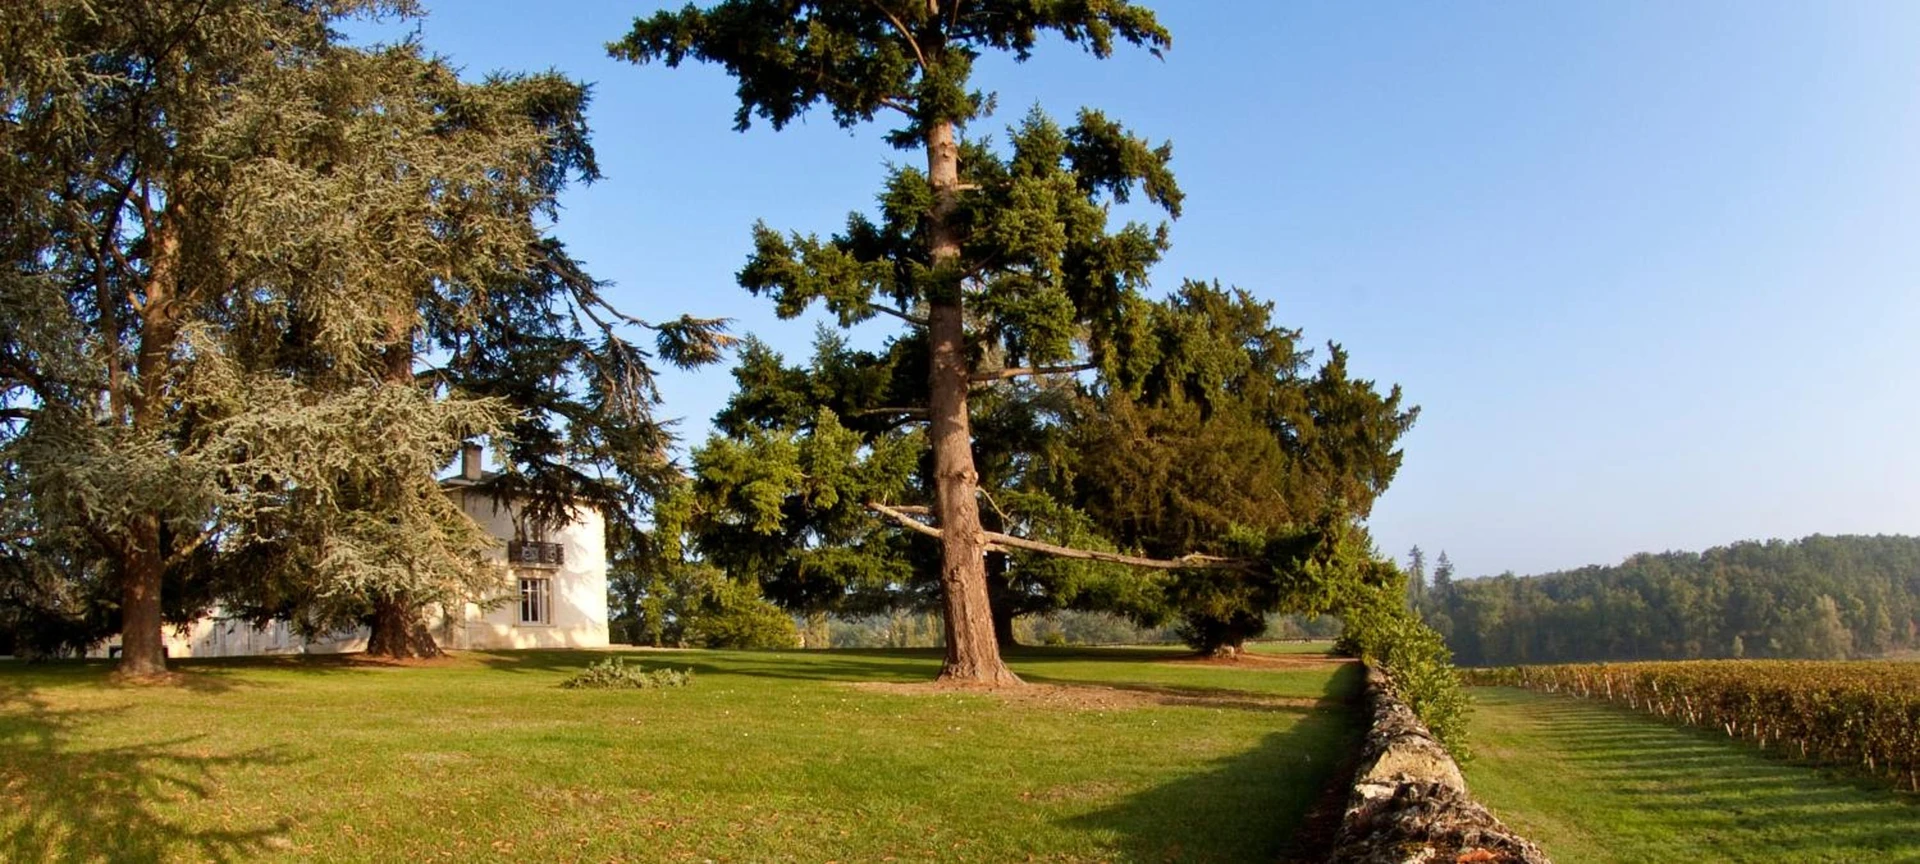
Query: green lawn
1593, 783
1301, 646
769, 756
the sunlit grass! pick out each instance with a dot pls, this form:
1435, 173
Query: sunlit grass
768, 756
1291, 646
1596, 783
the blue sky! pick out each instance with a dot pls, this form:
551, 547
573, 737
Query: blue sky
1649, 268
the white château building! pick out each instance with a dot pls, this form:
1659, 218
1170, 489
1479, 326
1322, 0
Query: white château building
553, 590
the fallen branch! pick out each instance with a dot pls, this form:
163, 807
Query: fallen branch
1005, 542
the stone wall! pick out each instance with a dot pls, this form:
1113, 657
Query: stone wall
1409, 803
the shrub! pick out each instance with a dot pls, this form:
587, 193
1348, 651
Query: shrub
696, 605
734, 615
614, 674
1382, 630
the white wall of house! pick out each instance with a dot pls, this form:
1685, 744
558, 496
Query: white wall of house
214, 636
574, 606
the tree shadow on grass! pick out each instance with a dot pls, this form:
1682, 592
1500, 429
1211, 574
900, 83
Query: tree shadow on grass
60, 801
1055, 666
1251, 806
1695, 782
899, 664
1342, 686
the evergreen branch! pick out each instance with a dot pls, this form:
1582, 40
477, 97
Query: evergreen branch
181, 554
1023, 371
1005, 542
39, 382
904, 33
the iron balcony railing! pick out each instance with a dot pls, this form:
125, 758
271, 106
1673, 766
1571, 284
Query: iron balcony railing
526, 553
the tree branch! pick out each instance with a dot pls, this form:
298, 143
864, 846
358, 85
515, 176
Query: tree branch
907, 522
1004, 542
896, 104
904, 33
881, 412
1022, 371
181, 554
889, 310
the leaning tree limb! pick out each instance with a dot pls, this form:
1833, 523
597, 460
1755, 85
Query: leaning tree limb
1005, 542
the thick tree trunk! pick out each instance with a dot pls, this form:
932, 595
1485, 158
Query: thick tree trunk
397, 631
143, 652
143, 562
972, 655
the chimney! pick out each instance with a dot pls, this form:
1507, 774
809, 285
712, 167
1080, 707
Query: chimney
470, 461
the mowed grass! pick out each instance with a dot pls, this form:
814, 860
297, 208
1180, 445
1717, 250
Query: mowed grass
1292, 646
769, 756
1596, 783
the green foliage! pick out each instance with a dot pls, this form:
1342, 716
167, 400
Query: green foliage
613, 673
1229, 442
1815, 598
736, 616
894, 629
912, 57
1421, 668
685, 604
1046, 279
1074, 627
785, 508
1382, 630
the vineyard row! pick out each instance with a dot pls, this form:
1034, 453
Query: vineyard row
1864, 714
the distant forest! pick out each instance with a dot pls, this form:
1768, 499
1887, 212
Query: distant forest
1815, 598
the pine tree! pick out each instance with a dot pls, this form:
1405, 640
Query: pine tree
1011, 243
1416, 577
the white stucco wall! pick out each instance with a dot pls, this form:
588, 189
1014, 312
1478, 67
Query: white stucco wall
578, 618
214, 636
217, 636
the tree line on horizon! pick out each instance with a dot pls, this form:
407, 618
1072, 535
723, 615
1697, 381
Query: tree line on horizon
1816, 598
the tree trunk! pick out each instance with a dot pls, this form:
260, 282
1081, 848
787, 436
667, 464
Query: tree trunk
1000, 596
143, 651
143, 562
972, 655
397, 631
1003, 628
